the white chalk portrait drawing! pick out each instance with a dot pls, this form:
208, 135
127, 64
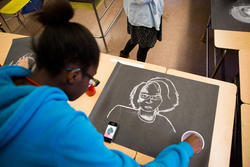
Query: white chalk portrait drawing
241, 13
28, 55
26, 61
150, 99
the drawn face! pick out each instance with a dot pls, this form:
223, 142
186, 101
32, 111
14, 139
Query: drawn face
150, 97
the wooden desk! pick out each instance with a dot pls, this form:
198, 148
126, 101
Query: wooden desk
223, 125
228, 33
245, 135
244, 69
232, 39
221, 21
238, 41
5, 43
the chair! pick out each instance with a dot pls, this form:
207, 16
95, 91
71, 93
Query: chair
13, 7
1, 28
94, 5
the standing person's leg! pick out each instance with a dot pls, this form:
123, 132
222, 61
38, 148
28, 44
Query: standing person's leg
129, 46
142, 54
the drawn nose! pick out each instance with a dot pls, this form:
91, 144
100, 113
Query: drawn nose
148, 101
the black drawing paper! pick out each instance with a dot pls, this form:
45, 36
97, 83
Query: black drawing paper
20, 47
195, 111
222, 19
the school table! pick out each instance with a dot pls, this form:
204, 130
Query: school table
235, 38
105, 68
232, 39
245, 135
238, 41
223, 126
5, 43
222, 136
229, 33
244, 69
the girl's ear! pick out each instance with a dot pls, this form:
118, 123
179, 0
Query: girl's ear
73, 76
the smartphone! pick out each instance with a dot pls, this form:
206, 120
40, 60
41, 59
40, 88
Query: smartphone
110, 131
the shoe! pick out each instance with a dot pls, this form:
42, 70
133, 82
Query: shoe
123, 55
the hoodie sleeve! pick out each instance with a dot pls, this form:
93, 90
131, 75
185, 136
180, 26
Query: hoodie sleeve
79, 144
176, 155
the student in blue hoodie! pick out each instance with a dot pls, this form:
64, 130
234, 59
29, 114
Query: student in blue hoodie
144, 19
37, 125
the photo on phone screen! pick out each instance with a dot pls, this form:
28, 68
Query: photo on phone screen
110, 131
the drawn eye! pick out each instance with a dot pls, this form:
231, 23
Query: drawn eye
156, 97
144, 96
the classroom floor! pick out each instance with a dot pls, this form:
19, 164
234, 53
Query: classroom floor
184, 21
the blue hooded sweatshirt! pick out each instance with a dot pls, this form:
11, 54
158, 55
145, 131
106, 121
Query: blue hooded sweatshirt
39, 128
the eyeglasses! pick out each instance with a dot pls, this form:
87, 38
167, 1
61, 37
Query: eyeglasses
92, 80
151, 97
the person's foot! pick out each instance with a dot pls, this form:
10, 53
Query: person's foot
123, 55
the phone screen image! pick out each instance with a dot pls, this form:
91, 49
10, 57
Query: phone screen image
110, 131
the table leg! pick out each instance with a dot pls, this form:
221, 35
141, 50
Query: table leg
1, 28
207, 46
236, 152
216, 68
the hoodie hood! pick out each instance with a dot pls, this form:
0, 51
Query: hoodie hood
20, 103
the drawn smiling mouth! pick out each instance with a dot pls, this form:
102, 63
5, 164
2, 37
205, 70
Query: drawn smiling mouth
148, 107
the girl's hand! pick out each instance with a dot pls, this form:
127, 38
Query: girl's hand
23, 62
195, 143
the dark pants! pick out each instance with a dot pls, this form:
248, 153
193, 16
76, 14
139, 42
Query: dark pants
141, 53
